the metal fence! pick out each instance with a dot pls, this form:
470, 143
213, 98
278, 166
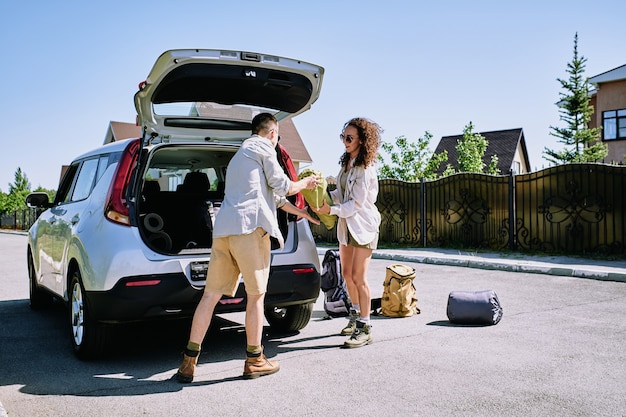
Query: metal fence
574, 209
18, 220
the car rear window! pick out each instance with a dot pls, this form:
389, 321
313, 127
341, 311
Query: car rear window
82, 176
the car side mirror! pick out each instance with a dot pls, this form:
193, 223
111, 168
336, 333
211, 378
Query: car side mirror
38, 200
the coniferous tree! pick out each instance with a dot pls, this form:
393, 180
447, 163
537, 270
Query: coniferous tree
18, 190
582, 144
20, 183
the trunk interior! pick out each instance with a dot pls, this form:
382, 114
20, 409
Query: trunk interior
182, 192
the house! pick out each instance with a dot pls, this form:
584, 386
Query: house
609, 103
509, 145
289, 138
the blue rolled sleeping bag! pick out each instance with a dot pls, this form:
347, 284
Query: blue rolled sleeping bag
474, 307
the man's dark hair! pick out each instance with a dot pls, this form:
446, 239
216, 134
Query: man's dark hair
262, 122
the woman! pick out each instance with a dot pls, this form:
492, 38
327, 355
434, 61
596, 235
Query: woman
359, 220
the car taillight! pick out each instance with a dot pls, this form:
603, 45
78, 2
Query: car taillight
299, 201
287, 164
116, 208
304, 270
144, 283
229, 301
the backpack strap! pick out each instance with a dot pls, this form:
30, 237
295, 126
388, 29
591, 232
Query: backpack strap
376, 307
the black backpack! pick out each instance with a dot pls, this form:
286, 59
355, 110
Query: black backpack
336, 299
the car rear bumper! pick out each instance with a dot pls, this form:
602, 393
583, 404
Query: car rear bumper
294, 284
147, 297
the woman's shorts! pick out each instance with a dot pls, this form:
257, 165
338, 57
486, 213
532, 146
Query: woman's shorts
372, 245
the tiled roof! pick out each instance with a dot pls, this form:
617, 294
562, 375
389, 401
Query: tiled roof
121, 130
291, 140
502, 143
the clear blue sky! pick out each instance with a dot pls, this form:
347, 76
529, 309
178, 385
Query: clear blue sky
70, 67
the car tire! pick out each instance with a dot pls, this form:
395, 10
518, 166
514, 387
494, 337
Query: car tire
38, 298
90, 339
290, 318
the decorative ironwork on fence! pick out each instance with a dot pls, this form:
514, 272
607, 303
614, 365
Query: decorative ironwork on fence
18, 220
574, 208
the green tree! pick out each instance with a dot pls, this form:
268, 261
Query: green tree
18, 190
51, 193
4, 198
582, 144
410, 161
470, 153
20, 183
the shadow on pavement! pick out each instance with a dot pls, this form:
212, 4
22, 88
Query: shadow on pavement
37, 354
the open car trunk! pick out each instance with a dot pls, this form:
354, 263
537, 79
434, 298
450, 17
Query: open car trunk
182, 190
195, 109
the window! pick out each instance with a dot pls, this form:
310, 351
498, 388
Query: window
105, 161
63, 193
85, 180
614, 124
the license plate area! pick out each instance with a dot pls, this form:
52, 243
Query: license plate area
198, 270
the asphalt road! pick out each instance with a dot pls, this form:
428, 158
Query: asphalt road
558, 351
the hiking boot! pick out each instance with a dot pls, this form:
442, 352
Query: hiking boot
362, 336
351, 326
259, 366
187, 369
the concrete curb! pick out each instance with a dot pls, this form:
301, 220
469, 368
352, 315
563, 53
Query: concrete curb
598, 272
14, 232
615, 272
3, 412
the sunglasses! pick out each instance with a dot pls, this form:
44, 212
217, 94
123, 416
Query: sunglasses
348, 139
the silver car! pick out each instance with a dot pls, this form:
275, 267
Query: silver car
128, 236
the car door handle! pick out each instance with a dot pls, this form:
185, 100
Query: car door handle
75, 219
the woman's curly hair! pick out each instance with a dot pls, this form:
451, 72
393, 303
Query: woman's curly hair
370, 137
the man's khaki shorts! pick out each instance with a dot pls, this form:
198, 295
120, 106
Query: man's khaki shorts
248, 255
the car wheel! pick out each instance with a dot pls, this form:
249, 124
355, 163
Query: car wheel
39, 298
290, 318
89, 339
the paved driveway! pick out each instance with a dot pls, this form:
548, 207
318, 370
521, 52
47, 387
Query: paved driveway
558, 351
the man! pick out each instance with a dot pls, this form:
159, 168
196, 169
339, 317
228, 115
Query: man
255, 186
